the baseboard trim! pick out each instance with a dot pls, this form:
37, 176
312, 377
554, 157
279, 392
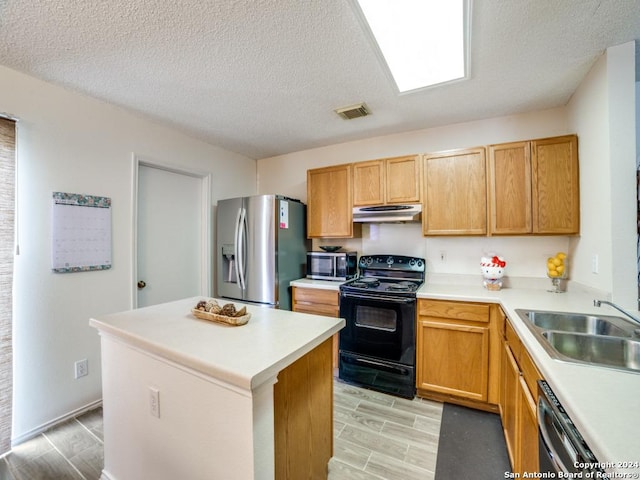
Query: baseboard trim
46, 426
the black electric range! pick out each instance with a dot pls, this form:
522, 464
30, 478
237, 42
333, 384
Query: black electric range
377, 345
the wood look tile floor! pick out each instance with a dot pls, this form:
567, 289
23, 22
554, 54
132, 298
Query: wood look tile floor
72, 450
382, 437
376, 437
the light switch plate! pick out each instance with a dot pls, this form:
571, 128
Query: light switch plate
154, 401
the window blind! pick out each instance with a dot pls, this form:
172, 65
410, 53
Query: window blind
7, 236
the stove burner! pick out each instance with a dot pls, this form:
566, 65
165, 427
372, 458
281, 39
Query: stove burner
402, 287
369, 280
391, 275
365, 282
374, 284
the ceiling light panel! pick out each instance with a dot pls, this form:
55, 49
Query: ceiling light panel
423, 42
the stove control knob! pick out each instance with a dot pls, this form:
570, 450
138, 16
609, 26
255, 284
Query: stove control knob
369, 260
412, 262
419, 263
390, 261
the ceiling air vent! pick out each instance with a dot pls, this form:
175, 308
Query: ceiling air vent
353, 111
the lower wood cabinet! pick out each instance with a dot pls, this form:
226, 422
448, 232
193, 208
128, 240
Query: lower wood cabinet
319, 302
457, 356
468, 353
518, 404
528, 429
303, 416
454, 359
510, 401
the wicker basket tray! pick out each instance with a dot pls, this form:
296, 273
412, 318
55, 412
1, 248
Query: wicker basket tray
213, 317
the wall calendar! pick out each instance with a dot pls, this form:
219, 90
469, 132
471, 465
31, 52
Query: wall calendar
81, 239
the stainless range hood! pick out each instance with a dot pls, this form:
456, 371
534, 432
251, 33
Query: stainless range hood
388, 214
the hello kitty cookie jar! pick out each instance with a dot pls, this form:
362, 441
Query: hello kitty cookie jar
492, 270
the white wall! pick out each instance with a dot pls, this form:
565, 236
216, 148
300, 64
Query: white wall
588, 110
621, 92
602, 112
72, 143
526, 256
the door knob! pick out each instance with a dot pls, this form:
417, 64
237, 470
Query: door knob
141, 284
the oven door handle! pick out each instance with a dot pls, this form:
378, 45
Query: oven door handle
380, 298
380, 365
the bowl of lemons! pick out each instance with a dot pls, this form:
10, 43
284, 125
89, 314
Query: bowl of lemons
557, 270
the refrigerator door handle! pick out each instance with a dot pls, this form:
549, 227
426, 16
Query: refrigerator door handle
236, 241
240, 246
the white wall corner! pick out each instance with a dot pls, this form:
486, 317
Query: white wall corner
622, 118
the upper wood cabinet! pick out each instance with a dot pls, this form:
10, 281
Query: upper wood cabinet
455, 193
510, 188
556, 192
520, 188
534, 187
329, 202
388, 180
369, 183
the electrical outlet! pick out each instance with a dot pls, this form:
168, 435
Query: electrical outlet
443, 257
595, 267
81, 368
154, 402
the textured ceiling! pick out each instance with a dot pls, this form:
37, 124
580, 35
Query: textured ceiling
262, 77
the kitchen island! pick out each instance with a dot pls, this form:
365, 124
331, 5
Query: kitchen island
188, 398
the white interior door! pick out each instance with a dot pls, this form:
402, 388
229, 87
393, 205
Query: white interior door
171, 235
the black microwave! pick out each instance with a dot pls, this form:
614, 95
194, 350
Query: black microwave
337, 266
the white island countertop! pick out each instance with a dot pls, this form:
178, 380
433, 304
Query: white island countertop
245, 356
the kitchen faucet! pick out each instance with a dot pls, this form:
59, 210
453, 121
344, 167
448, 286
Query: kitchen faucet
596, 303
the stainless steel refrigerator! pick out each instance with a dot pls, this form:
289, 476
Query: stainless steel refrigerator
261, 247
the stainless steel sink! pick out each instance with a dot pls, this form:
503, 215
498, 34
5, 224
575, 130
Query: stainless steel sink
579, 323
602, 340
610, 351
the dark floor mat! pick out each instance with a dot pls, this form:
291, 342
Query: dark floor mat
471, 445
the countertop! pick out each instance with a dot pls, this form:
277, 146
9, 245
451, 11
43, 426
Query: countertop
319, 284
244, 356
602, 402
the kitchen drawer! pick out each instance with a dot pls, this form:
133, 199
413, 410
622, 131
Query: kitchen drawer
316, 296
501, 321
514, 341
529, 371
474, 312
318, 309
